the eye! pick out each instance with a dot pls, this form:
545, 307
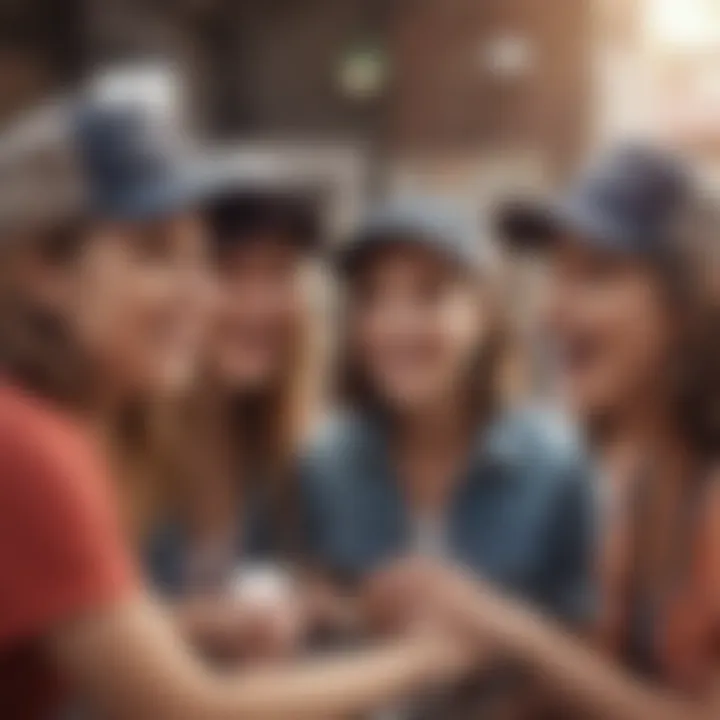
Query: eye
430, 289
155, 243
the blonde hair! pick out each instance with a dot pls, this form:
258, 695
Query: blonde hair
213, 435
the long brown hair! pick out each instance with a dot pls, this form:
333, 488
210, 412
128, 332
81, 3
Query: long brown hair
690, 275
36, 347
687, 273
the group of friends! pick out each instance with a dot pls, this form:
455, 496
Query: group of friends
219, 500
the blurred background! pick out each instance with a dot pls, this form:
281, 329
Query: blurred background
468, 98
460, 96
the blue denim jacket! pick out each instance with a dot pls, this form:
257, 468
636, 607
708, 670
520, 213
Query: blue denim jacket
522, 515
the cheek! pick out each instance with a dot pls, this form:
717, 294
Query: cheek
461, 330
613, 347
642, 342
145, 327
429, 349
103, 309
253, 334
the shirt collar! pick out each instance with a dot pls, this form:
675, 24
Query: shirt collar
499, 443
497, 446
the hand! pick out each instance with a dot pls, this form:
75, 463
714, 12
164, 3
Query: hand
418, 587
229, 628
412, 588
328, 609
450, 656
274, 631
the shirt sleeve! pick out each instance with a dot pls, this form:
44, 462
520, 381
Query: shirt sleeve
572, 588
62, 553
313, 513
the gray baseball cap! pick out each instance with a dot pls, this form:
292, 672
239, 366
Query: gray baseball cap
116, 149
435, 223
627, 202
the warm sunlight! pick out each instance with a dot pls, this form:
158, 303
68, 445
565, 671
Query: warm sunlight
683, 25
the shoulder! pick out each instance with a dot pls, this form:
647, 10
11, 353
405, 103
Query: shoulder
541, 437
543, 451
31, 432
44, 454
340, 441
711, 503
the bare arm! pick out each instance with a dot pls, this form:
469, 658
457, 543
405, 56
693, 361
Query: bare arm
228, 628
580, 676
563, 665
131, 665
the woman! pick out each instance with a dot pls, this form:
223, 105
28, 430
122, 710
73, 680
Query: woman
229, 502
103, 291
633, 260
427, 459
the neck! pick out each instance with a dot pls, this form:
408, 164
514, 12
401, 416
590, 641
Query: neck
104, 413
437, 425
429, 450
638, 434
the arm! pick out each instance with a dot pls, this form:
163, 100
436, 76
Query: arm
564, 558
70, 591
570, 592
582, 678
227, 627
563, 665
130, 664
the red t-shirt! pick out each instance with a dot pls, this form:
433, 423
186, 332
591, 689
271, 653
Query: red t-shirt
684, 632
62, 552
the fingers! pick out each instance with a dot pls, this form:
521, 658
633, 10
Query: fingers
415, 589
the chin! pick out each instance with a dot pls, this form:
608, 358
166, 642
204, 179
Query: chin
589, 406
247, 380
175, 383
243, 374
409, 401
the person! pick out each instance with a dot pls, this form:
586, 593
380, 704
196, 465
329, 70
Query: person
633, 263
102, 296
425, 456
230, 507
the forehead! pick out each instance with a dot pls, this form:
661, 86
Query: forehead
406, 258
258, 249
574, 249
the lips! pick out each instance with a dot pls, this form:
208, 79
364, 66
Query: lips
173, 333
578, 353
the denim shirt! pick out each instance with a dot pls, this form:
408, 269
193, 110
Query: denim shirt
522, 515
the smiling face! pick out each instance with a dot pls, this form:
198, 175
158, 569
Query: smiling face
612, 325
416, 327
139, 297
260, 310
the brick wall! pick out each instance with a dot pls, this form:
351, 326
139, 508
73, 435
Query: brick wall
446, 99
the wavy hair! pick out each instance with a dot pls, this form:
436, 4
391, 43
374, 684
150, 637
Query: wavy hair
690, 275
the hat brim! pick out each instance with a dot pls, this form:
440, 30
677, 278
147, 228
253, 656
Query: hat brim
184, 191
359, 248
536, 226
240, 211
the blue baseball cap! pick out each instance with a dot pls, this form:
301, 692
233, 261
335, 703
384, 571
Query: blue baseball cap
434, 223
115, 150
628, 203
